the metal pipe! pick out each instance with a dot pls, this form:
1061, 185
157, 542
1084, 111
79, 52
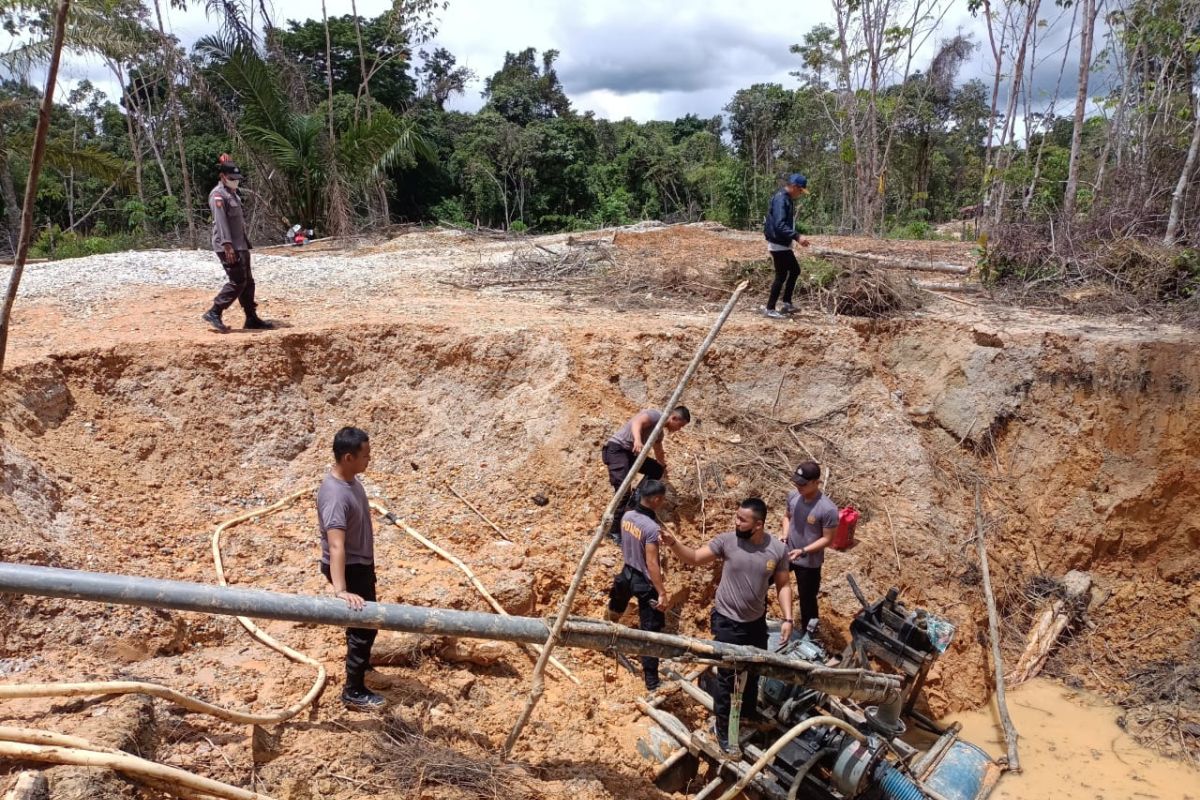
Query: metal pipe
860, 685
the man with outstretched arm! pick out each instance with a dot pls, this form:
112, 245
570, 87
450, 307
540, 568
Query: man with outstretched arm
754, 561
810, 522
348, 554
641, 576
623, 447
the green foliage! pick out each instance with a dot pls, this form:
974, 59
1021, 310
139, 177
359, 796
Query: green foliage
54, 244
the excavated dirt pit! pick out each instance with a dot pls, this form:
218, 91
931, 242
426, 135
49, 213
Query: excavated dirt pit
123, 459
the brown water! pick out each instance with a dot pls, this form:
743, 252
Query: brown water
1071, 748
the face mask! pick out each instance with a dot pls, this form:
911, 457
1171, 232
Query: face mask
232, 183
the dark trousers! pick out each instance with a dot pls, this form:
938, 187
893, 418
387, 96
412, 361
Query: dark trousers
239, 285
787, 270
360, 580
808, 583
731, 631
631, 583
619, 460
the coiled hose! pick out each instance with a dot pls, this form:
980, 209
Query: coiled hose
899, 787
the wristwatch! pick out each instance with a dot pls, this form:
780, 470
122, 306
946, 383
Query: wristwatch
788, 621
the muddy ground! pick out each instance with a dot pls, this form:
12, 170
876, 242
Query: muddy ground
128, 432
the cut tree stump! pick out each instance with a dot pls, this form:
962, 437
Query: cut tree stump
1053, 620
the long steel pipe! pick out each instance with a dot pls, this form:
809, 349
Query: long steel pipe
861, 685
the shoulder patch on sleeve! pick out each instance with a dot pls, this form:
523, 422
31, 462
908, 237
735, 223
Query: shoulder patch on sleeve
219, 202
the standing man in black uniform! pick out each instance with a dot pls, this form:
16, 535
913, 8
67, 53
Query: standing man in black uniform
641, 576
230, 243
754, 561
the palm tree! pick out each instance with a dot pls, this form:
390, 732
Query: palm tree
314, 161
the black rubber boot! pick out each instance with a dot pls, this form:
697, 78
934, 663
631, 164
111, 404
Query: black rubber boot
213, 318
257, 323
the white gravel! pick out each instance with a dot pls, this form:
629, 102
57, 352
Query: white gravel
85, 281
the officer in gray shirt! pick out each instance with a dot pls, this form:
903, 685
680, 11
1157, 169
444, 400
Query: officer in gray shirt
641, 576
753, 561
348, 554
232, 246
623, 447
810, 522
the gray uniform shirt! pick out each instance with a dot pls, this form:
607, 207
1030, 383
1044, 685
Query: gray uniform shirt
344, 506
638, 529
808, 522
624, 437
747, 574
229, 223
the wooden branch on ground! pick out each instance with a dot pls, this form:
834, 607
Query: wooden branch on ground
1010, 731
1054, 619
479, 587
568, 601
891, 262
481, 515
26, 744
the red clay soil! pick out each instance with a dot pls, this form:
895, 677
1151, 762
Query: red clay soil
125, 439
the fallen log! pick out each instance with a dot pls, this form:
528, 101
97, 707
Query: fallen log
891, 262
1054, 619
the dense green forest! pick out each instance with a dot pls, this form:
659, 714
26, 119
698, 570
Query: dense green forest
341, 124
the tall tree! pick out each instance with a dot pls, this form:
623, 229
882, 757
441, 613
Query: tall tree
35, 167
1089, 10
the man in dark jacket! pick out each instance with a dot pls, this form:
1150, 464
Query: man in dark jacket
779, 228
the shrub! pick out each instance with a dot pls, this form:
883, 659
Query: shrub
56, 245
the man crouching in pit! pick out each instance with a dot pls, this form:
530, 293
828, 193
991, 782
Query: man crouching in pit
641, 577
348, 554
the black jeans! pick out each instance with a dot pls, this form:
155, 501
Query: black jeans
360, 580
619, 460
628, 584
731, 631
239, 285
808, 583
787, 270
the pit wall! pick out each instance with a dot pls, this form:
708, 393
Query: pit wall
123, 459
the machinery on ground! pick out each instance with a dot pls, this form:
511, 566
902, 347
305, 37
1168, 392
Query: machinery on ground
812, 745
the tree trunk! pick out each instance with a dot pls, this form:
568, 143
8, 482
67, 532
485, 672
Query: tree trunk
1002, 160
1086, 34
173, 100
1182, 183
35, 168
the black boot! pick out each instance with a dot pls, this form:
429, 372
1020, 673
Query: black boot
257, 323
213, 318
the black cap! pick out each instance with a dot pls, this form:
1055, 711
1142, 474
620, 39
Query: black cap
807, 471
227, 167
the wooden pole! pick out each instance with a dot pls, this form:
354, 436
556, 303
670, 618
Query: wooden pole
1010, 731
35, 167
538, 685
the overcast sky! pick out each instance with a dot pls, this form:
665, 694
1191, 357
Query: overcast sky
645, 59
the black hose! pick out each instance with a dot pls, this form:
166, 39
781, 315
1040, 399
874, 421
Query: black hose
808, 765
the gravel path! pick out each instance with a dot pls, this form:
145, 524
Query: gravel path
85, 281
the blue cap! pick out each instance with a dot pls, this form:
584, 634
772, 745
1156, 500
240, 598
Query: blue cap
796, 179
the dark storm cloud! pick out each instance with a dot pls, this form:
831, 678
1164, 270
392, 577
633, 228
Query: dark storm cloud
644, 54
